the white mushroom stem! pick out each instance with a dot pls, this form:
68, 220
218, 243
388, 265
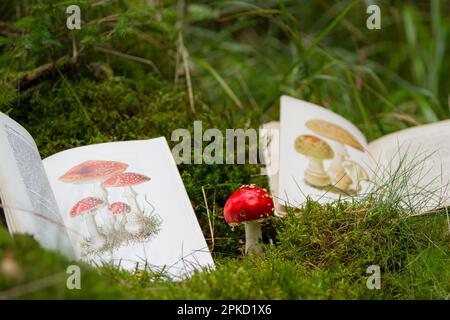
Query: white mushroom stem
356, 173
100, 192
103, 194
315, 173
119, 221
336, 170
97, 239
135, 219
253, 238
315, 166
131, 197
110, 221
354, 176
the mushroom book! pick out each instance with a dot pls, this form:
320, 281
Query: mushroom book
119, 203
315, 153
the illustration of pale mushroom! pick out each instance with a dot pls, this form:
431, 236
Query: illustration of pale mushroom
249, 205
356, 174
341, 137
88, 207
134, 224
119, 211
336, 171
94, 171
316, 150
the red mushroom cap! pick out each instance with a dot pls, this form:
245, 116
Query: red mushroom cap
86, 205
248, 203
126, 179
119, 208
93, 170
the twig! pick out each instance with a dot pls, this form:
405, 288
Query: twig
182, 51
256, 12
359, 74
177, 66
74, 49
187, 72
99, 3
111, 18
400, 116
36, 73
247, 92
211, 229
129, 57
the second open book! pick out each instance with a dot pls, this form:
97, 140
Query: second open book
319, 154
122, 203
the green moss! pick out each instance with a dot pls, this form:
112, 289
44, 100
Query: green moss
314, 258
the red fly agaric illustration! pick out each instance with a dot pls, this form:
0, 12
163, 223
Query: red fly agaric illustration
94, 171
127, 180
249, 205
88, 207
340, 138
119, 210
316, 150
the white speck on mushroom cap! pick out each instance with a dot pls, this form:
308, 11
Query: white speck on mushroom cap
86, 205
126, 179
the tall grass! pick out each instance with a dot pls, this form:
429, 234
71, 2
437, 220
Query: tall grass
410, 181
382, 80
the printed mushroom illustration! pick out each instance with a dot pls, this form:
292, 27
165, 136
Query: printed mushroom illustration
341, 137
316, 150
127, 180
88, 207
94, 171
249, 205
356, 174
119, 211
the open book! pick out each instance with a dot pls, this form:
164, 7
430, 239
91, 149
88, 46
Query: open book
122, 202
321, 155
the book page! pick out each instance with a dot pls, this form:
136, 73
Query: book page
29, 204
270, 139
124, 203
422, 155
322, 155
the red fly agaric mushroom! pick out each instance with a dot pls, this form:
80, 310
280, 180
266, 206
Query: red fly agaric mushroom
119, 210
340, 138
94, 171
316, 150
126, 180
88, 207
249, 205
